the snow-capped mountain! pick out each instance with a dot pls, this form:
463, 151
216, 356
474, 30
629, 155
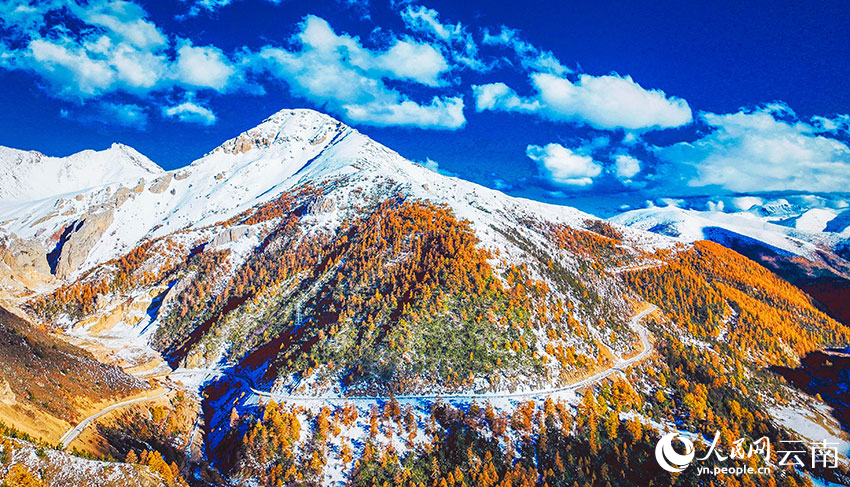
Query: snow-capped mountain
690, 225
291, 148
806, 241
292, 151
305, 263
30, 175
822, 218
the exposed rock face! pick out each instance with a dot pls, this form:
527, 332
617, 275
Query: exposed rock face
160, 184
129, 311
23, 254
23, 262
246, 142
175, 291
72, 252
285, 127
121, 195
6, 395
232, 234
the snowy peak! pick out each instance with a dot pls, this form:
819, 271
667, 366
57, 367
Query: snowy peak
31, 175
288, 150
286, 128
293, 146
692, 225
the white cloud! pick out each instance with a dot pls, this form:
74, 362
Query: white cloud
191, 112
839, 124
751, 151
434, 166
626, 166
206, 6
564, 166
70, 69
440, 113
604, 102
112, 48
500, 97
404, 60
410, 60
203, 67
123, 21
338, 72
456, 40
530, 57
426, 19
128, 115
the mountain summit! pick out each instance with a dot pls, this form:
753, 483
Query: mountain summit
290, 149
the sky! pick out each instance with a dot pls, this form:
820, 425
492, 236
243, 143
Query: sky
557, 101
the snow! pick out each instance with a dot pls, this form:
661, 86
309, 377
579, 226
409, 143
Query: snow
29, 176
65, 469
290, 149
814, 220
692, 225
811, 426
295, 148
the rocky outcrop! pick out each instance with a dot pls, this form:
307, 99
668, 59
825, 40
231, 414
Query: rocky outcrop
121, 195
23, 254
6, 395
129, 311
160, 184
245, 142
72, 251
232, 234
23, 262
175, 291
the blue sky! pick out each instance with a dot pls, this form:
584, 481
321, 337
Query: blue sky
552, 100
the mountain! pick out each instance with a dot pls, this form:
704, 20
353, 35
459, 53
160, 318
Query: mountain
299, 163
311, 298
29, 176
47, 384
805, 244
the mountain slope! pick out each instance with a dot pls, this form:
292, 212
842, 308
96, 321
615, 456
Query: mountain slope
28, 176
46, 383
812, 259
305, 190
303, 261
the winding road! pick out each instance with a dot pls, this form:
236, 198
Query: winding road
618, 367
74, 432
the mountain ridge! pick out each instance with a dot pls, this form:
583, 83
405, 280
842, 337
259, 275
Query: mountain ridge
290, 148
31, 175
